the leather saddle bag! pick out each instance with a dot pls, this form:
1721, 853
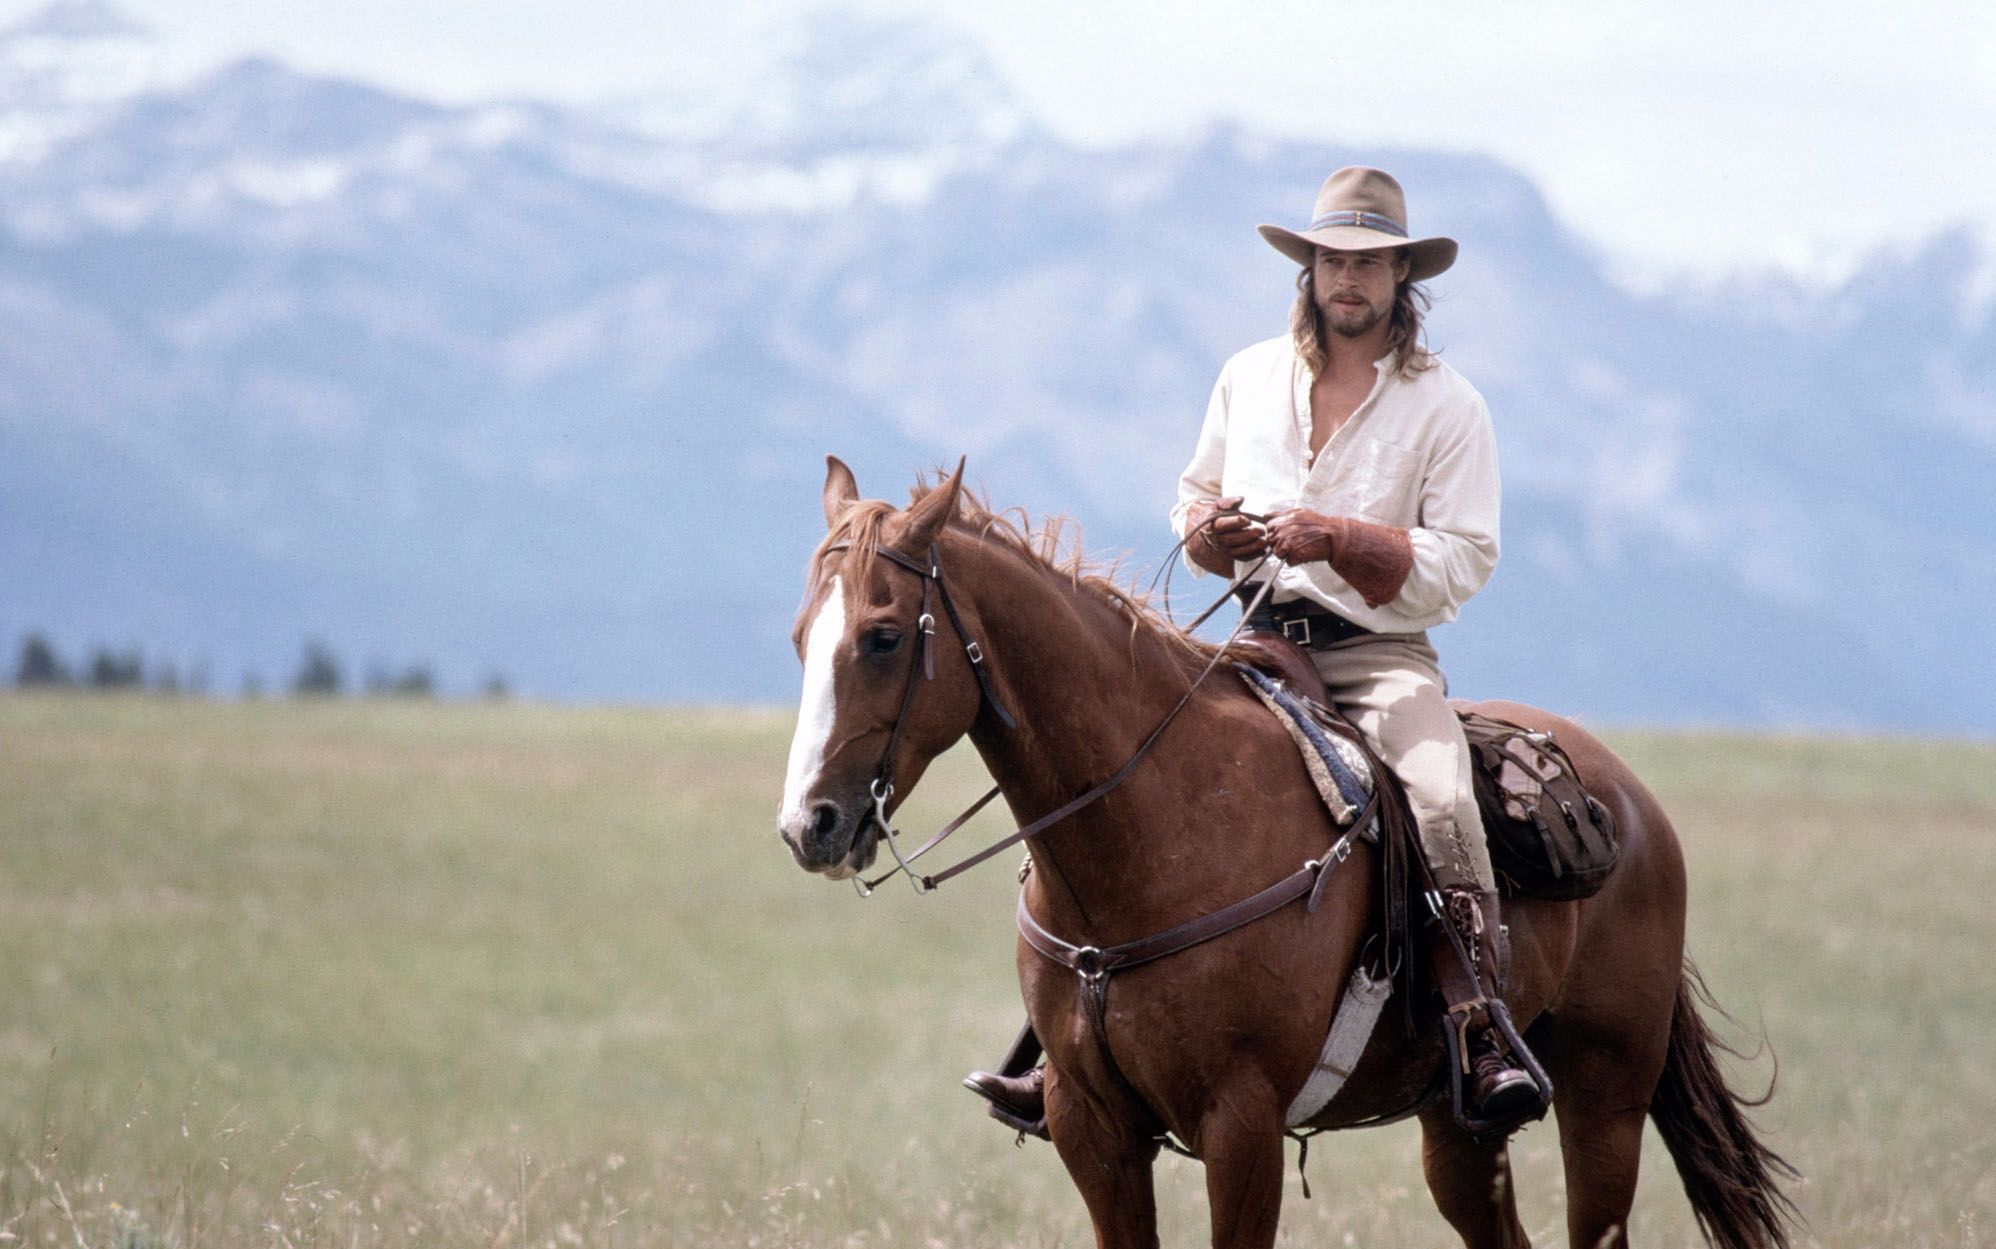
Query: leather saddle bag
1548, 837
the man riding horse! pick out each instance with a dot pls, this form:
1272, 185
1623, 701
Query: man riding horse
1368, 468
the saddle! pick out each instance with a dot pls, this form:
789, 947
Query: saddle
1529, 794
1548, 837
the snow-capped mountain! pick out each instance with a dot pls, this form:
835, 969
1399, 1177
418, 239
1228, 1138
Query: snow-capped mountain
63, 69
847, 107
546, 391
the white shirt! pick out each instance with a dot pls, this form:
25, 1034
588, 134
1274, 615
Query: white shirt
1419, 454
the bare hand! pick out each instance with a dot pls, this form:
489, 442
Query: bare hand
1300, 536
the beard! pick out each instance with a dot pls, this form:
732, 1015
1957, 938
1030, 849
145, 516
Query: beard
1350, 322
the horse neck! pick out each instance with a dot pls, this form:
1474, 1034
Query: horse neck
1086, 691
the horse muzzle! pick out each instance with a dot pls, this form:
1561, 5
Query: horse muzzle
834, 839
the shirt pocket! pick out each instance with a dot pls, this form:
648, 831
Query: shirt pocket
1384, 483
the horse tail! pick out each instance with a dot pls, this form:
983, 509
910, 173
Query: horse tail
1732, 1178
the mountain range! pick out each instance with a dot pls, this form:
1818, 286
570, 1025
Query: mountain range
546, 391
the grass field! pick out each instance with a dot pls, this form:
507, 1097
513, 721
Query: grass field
415, 974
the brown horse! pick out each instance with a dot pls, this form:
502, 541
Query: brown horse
1212, 1043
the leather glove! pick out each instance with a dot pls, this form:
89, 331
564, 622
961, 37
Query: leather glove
1301, 536
1230, 537
1373, 559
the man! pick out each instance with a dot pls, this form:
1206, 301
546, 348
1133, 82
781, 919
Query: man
1377, 467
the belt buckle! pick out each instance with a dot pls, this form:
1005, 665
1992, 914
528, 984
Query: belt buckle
1297, 630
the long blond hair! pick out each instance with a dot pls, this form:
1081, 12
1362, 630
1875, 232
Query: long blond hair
1403, 335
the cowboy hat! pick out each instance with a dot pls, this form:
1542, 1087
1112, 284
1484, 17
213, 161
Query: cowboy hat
1358, 210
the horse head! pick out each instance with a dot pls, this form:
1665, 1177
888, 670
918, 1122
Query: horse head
880, 698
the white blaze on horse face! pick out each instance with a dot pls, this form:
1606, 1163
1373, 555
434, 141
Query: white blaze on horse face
815, 711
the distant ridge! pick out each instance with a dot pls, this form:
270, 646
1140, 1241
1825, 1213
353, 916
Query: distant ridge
533, 389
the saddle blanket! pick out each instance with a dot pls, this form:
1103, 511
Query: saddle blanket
1342, 773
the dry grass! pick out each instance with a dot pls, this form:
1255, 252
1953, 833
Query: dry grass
387, 974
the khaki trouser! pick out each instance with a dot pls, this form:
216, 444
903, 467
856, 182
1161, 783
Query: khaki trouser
1392, 688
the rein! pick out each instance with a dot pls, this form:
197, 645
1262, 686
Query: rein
1092, 964
882, 787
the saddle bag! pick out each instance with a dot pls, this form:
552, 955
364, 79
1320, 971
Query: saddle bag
1548, 837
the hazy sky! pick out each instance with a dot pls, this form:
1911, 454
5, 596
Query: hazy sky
1700, 133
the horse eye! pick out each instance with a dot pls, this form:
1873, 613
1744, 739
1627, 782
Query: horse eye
882, 641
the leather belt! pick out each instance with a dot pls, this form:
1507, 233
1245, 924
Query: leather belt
1304, 623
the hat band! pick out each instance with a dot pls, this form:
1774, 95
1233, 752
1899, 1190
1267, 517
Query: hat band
1371, 221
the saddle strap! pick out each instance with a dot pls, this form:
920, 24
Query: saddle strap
1094, 963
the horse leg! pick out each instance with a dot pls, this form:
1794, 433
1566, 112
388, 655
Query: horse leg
1601, 1096
1240, 1141
1604, 1048
1109, 1160
1471, 1184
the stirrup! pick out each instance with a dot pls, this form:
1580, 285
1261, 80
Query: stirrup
1037, 1127
1493, 1129
1001, 1110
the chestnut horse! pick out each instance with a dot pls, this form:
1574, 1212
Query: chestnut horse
1212, 1043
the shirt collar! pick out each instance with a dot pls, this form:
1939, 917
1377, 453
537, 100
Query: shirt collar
1383, 363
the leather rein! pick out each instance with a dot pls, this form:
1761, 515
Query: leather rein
923, 668
1092, 964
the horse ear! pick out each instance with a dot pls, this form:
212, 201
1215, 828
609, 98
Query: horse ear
931, 512
841, 491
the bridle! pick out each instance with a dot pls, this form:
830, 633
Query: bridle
1092, 964
881, 788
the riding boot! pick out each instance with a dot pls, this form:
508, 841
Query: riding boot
1500, 1091
1017, 1090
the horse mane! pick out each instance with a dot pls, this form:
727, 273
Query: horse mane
1053, 547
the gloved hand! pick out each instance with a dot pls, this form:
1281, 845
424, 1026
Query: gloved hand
1230, 537
1373, 559
1301, 536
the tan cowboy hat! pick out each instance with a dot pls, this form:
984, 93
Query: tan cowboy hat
1358, 210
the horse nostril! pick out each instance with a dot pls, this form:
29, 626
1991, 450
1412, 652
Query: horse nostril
824, 818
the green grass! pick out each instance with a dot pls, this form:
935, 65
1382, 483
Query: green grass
403, 973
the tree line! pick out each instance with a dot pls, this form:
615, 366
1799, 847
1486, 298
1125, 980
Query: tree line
319, 674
